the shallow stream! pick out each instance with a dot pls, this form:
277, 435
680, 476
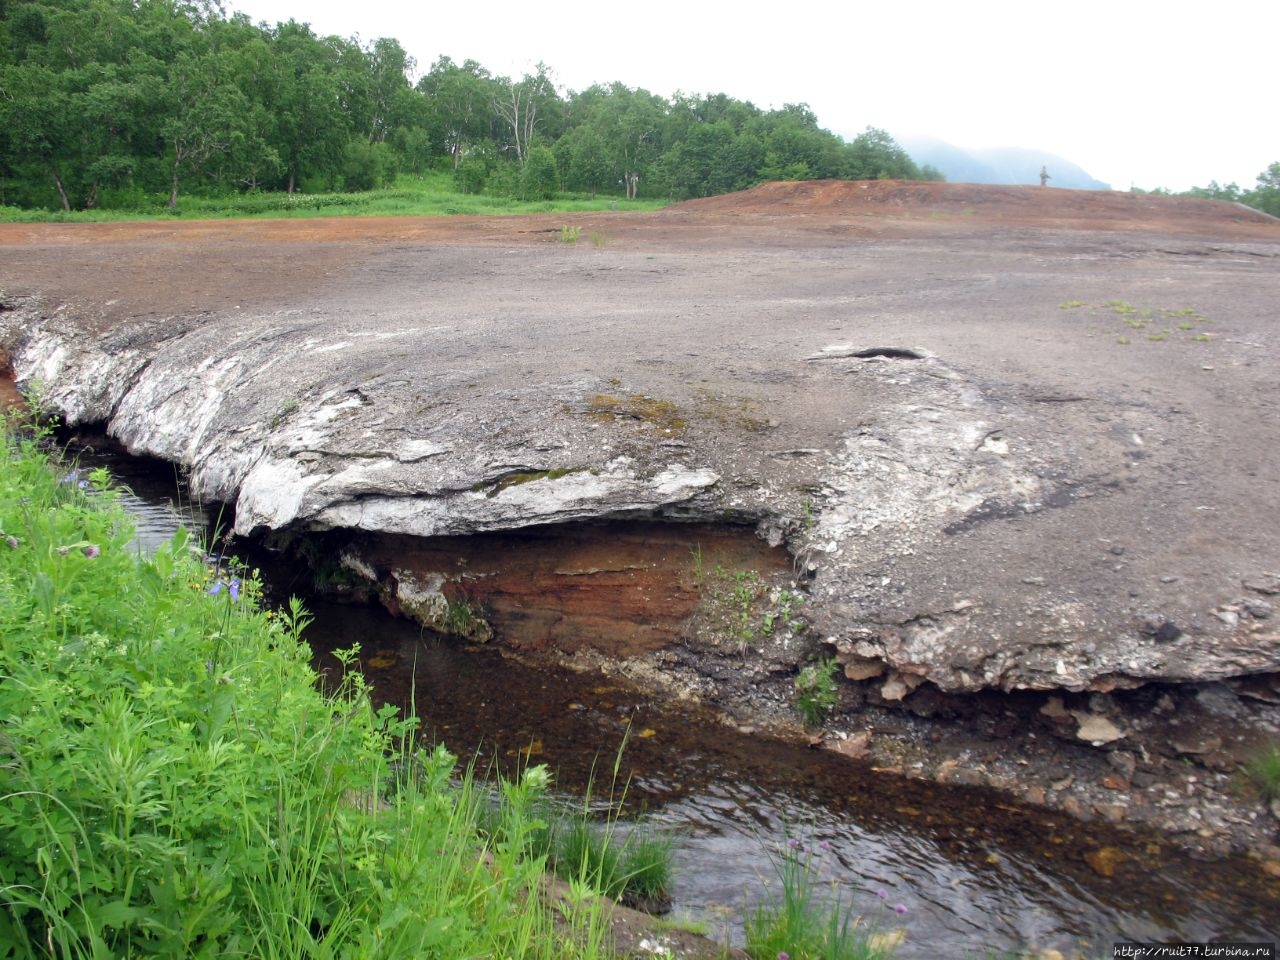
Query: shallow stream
978, 875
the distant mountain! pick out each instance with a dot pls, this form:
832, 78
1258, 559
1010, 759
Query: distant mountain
997, 164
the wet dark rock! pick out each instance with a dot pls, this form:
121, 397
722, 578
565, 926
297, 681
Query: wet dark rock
1123, 761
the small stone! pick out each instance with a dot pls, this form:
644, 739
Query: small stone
950, 772
1168, 579
1117, 551
1221, 760
1112, 812
1062, 784
1197, 744
1072, 807
1096, 729
1258, 609
1229, 617
1123, 761
1142, 780
1104, 860
899, 685
1167, 632
1034, 581
856, 746
1054, 709
1271, 868
1268, 583
1035, 796
863, 668
1115, 782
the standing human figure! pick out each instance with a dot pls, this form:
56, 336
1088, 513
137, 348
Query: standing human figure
1044, 175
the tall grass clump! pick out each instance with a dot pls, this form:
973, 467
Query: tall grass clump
174, 784
588, 845
1263, 768
801, 920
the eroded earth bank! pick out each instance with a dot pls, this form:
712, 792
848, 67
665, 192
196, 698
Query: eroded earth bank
1009, 454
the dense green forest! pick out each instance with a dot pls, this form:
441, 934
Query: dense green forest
133, 104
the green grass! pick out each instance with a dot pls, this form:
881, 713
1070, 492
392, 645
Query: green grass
630, 861
802, 918
1141, 320
173, 783
430, 194
1263, 768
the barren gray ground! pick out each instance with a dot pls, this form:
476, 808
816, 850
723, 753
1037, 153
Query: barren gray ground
1070, 483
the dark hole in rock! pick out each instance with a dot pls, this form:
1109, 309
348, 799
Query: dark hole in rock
889, 353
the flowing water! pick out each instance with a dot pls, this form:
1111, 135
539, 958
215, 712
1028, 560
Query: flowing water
977, 875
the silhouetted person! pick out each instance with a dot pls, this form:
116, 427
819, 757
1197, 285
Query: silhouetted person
1044, 176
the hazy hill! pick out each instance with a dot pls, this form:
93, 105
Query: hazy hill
998, 164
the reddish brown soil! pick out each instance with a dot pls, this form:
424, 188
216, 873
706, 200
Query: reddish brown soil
208, 265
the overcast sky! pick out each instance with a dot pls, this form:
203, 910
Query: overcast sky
1138, 93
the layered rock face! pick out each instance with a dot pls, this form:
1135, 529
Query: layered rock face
625, 589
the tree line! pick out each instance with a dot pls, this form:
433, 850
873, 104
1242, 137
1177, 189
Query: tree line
1264, 196
113, 103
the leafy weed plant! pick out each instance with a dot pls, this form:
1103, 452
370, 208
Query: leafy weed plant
815, 691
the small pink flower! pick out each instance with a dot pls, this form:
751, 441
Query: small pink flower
90, 550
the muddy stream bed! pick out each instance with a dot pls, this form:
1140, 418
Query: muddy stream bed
979, 875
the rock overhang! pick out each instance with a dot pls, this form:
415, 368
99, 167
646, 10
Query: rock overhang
956, 525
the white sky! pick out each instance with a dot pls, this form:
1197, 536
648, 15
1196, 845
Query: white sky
1138, 93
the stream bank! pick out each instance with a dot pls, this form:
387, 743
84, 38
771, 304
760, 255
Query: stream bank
712, 740
712, 615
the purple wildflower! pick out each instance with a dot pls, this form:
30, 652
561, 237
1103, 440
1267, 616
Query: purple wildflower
90, 550
882, 894
783, 955
899, 908
232, 585
794, 844
12, 541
